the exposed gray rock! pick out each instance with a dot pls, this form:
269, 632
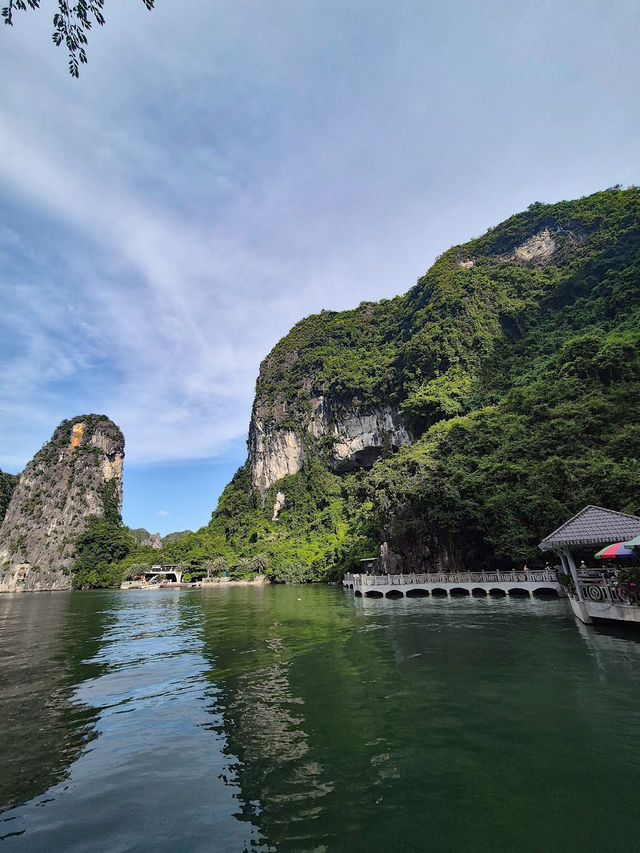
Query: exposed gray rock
388, 560
539, 248
273, 453
66, 482
360, 436
278, 504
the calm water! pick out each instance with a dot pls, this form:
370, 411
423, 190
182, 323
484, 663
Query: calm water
295, 719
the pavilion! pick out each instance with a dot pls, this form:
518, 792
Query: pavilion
595, 597
170, 572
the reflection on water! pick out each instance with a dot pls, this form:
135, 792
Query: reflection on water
294, 719
263, 720
150, 779
43, 642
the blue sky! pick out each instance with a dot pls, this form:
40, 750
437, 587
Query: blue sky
222, 169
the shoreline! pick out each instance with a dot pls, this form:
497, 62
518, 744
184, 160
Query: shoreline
212, 582
259, 581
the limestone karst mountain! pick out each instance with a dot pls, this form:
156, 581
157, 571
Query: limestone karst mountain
75, 477
456, 423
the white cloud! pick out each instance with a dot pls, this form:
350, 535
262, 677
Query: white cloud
217, 175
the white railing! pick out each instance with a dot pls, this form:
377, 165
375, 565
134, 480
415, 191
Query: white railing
603, 591
435, 578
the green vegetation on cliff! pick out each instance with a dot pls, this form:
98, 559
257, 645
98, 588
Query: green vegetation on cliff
515, 362
301, 543
7, 485
104, 543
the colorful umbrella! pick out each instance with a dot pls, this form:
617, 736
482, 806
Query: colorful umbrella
633, 543
616, 550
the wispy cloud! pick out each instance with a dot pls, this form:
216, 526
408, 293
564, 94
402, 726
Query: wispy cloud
216, 175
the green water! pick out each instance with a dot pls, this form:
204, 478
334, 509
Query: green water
295, 719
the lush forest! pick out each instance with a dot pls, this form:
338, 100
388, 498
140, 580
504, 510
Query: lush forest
514, 361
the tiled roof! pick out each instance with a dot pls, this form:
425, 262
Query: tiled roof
593, 525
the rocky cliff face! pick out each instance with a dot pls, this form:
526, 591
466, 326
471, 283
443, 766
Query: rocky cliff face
298, 410
72, 478
274, 452
353, 436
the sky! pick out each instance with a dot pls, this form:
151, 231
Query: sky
223, 168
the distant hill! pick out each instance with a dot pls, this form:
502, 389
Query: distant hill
175, 537
153, 540
145, 539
